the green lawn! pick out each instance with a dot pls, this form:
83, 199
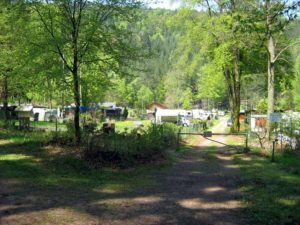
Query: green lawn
48, 125
45, 123
129, 124
272, 190
24, 157
42, 184
49, 185
120, 125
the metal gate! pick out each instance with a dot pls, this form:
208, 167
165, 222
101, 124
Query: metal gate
209, 134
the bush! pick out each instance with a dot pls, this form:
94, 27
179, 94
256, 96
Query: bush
64, 137
2, 124
199, 125
128, 148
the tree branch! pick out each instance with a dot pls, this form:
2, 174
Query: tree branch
51, 32
284, 49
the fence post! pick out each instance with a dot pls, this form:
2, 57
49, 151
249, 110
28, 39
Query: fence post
56, 125
281, 134
273, 152
247, 149
178, 140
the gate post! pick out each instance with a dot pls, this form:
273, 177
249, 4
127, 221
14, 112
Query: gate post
273, 151
246, 149
178, 140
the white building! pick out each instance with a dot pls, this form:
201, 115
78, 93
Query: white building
169, 115
39, 113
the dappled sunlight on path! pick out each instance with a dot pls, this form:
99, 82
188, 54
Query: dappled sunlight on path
200, 188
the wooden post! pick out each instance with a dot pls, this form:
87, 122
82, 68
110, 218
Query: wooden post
273, 152
178, 139
281, 133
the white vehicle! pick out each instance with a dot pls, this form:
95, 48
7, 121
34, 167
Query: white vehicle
221, 113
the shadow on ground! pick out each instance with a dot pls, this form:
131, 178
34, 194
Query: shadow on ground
42, 188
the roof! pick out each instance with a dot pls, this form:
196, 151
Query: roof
108, 105
149, 106
24, 108
39, 106
171, 112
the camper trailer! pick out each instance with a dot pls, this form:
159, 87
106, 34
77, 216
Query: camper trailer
169, 115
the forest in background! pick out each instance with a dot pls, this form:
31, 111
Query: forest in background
94, 51
174, 69
180, 74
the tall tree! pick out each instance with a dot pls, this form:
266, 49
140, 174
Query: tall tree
223, 31
82, 32
277, 16
11, 22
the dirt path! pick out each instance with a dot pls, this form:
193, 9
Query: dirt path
221, 126
199, 189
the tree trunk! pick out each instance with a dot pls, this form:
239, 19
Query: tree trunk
62, 104
76, 88
271, 67
271, 91
237, 92
50, 93
5, 100
236, 118
75, 73
76, 93
233, 81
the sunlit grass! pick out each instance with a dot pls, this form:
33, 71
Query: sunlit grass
272, 189
24, 157
14, 157
121, 126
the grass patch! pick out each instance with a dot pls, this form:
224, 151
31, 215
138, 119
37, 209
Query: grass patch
129, 124
47, 124
272, 189
24, 157
23, 137
188, 143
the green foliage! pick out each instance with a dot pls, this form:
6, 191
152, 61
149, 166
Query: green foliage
23, 156
12, 44
187, 97
174, 83
144, 97
131, 147
212, 83
296, 85
262, 106
199, 125
64, 138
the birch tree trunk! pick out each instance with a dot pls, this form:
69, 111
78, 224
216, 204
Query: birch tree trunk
271, 66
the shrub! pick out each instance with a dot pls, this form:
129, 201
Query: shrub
199, 125
64, 137
128, 148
